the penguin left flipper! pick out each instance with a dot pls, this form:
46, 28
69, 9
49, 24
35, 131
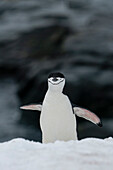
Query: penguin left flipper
86, 114
32, 107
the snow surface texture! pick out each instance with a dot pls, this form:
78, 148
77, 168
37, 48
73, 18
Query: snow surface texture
86, 154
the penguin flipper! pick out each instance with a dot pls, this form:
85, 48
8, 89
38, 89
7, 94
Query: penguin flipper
86, 114
32, 107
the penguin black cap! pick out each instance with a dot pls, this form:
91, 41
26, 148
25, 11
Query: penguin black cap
56, 75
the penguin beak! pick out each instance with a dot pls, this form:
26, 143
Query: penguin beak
54, 79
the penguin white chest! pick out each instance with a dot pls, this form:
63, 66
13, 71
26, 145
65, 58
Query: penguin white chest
57, 119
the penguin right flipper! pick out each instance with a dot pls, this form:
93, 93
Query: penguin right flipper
32, 107
86, 114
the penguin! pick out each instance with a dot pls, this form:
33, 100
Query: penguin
58, 115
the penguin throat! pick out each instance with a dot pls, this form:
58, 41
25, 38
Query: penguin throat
56, 88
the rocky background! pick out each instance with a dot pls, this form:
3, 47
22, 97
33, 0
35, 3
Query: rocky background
74, 37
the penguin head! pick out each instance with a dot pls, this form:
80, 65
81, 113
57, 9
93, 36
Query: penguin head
56, 82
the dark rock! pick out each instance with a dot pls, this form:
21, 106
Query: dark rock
40, 42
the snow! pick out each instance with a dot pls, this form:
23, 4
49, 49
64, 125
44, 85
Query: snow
86, 154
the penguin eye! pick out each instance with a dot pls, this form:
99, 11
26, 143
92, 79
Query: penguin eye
59, 78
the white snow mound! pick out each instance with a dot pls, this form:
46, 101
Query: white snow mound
86, 154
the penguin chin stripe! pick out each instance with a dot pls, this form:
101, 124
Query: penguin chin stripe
55, 83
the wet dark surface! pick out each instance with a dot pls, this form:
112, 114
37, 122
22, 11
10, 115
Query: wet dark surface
12, 127
10, 114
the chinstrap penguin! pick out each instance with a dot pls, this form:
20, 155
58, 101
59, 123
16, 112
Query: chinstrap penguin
58, 116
